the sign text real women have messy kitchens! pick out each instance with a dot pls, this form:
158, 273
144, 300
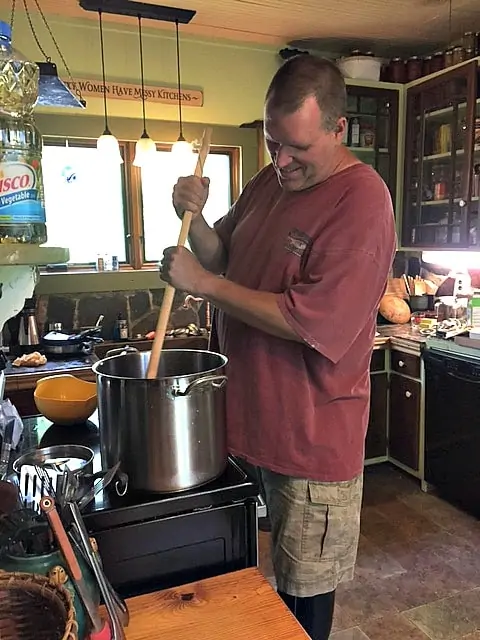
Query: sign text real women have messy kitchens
125, 91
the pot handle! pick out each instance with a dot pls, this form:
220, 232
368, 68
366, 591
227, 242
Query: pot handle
117, 352
216, 381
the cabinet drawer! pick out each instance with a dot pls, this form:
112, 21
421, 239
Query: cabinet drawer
405, 363
377, 363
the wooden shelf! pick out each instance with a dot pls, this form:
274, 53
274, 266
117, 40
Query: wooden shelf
441, 112
441, 156
369, 149
431, 203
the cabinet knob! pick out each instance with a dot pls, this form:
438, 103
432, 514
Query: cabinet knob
401, 363
408, 394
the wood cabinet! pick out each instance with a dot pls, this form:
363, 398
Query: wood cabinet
372, 132
376, 441
442, 161
404, 421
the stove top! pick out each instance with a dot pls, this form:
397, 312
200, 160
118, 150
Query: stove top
109, 509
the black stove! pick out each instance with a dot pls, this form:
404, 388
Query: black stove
153, 541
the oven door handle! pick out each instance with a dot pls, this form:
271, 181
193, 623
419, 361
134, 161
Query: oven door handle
473, 379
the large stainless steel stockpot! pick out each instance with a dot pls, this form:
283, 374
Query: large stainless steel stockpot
169, 432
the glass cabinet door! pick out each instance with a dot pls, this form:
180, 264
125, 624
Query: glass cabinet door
440, 208
373, 129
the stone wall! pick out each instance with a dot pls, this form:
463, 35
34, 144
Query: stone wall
140, 309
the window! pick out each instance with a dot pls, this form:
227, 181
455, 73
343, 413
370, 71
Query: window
84, 202
94, 209
161, 225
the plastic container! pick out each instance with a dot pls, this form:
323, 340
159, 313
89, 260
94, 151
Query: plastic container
361, 67
22, 208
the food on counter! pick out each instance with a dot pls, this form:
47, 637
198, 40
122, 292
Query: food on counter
33, 359
394, 309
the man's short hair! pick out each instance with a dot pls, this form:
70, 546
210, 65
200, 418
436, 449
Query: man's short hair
307, 75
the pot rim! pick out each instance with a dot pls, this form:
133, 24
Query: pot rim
165, 378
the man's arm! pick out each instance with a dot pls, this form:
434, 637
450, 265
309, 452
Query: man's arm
259, 309
207, 246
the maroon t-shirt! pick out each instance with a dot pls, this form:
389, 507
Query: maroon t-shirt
301, 408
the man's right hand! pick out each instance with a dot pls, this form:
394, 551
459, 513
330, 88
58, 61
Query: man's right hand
190, 194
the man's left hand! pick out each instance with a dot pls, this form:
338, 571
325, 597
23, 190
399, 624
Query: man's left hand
181, 269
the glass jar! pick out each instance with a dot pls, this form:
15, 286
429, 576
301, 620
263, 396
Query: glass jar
427, 65
398, 71
468, 41
448, 58
438, 62
458, 55
414, 68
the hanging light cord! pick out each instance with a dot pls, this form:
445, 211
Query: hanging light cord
141, 73
179, 84
103, 75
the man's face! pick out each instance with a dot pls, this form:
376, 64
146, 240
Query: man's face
302, 152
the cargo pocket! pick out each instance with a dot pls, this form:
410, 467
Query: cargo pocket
332, 521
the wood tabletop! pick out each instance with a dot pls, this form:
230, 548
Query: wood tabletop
236, 606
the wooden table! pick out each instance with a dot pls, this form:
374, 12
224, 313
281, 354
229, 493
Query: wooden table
236, 606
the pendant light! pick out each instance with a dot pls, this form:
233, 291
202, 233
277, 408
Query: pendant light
181, 148
145, 149
107, 144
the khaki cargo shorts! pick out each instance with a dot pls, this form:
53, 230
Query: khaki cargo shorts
315, 531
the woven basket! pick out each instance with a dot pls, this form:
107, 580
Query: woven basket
32, 608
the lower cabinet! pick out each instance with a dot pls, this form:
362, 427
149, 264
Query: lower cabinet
404, 420
396, 413
376, 442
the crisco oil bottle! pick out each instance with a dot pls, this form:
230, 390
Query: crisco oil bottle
22, 208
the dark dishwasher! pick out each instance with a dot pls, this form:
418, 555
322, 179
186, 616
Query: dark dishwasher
452, 428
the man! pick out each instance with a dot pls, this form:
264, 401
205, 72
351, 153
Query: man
305, 254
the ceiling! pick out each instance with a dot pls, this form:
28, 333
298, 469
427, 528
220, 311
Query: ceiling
327, 25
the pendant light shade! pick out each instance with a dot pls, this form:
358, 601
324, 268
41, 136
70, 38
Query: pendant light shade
181, 148
145, 149
107, 144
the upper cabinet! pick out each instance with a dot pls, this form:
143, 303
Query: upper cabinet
442, 161
372, 132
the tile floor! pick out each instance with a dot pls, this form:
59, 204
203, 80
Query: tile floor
418, 567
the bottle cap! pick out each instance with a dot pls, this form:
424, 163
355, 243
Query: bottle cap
5, 30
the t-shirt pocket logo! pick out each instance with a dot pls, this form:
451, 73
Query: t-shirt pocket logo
297, 242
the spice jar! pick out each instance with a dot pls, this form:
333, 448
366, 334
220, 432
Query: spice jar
398, 72
367, 136
414, 68
458, 55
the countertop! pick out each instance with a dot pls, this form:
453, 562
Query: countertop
239, 605
400, 335
25, 377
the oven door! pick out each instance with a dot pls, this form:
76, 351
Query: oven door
452, 428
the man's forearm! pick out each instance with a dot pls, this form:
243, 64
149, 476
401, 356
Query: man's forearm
207, 246
258, 309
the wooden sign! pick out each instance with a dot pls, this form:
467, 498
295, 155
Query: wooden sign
125, 91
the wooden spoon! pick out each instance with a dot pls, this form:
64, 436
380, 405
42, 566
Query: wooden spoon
167, 302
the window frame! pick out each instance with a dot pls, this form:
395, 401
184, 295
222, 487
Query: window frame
132, 197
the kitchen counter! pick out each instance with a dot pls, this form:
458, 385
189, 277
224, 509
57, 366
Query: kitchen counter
18, 378
399, 335
239, 605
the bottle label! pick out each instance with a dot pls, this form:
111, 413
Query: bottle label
20, 196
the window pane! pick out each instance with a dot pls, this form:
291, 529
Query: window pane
160, 222
84, 203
